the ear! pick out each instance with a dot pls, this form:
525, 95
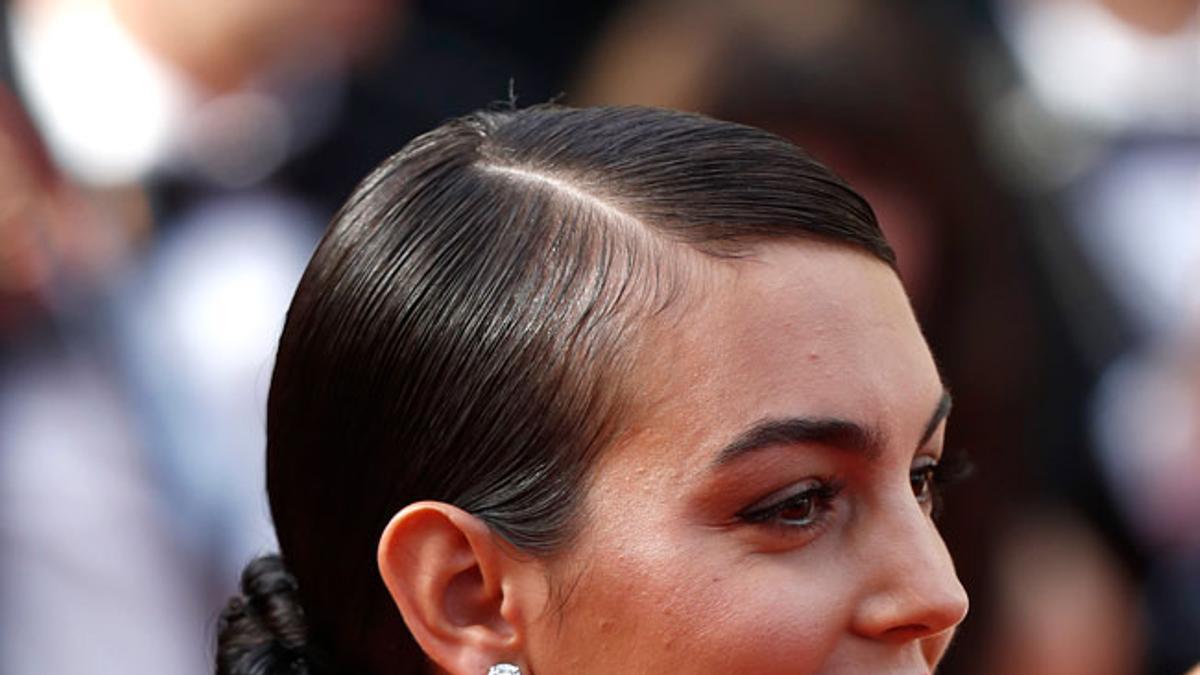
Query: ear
462, 590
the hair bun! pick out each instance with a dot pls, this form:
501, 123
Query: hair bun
263, 631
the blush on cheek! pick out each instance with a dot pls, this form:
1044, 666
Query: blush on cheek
672, 616
771, 629
674, 601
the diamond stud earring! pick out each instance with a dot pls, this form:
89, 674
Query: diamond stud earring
504, 669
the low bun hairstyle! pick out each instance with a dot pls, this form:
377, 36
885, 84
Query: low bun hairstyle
464, 333
263, 631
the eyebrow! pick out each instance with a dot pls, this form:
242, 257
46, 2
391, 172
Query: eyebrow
827, 431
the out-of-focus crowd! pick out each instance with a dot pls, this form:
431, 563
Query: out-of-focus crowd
166, 167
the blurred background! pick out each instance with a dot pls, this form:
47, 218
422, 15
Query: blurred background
166, 167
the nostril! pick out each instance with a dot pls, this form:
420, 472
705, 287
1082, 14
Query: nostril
908, 632
905, 613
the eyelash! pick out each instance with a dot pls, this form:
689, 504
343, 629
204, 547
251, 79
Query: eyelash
952, 468
818, 495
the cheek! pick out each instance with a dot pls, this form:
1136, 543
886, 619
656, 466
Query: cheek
697, 607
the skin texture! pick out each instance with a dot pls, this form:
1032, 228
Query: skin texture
680, 564
665, 575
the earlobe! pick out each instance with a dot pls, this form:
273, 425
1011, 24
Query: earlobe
454, 585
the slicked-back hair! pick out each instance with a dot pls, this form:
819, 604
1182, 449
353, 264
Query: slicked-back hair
465, 330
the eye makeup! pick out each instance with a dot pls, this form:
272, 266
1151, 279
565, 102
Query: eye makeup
800, 507
806, 504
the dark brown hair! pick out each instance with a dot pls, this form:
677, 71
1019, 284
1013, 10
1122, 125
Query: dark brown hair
462, 334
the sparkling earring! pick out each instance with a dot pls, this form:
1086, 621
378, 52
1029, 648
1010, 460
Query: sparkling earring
504, 669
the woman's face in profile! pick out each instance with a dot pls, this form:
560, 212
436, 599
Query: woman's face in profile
768, 508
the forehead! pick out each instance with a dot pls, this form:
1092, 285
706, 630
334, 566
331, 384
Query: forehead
797, 328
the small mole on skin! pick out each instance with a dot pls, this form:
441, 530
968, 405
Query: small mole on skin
813, 356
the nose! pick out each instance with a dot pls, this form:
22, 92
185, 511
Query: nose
911, 588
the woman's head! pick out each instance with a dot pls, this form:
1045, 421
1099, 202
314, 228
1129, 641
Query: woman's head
608, 390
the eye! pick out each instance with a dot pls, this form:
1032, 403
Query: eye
923, 481
802, 506
800, 510
929, 476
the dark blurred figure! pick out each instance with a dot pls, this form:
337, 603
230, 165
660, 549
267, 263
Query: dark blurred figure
1104, 118
888, 95
456, 56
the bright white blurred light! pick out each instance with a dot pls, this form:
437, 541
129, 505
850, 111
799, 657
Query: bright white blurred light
107, 108
1086, 64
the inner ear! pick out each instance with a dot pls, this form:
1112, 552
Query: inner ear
468, 602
